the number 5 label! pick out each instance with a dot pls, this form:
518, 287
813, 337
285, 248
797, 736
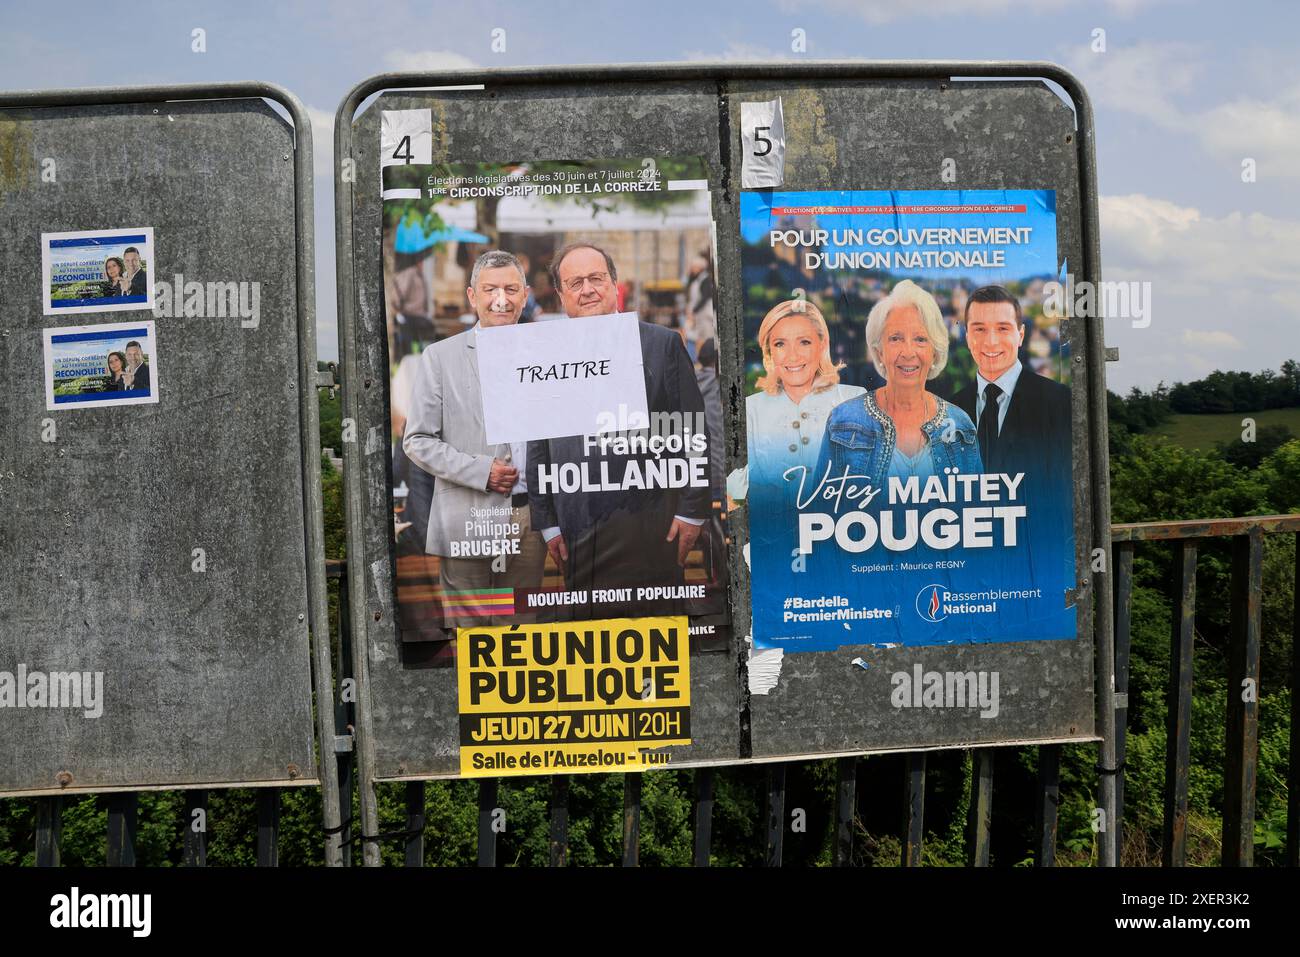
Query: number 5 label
762, 144
406, 138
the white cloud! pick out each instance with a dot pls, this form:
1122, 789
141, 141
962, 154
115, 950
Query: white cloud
427, 61
1144, 234
1269, 132
745, 52
1216, 339
889, 11
1222, 289
1141, 79
1150, 80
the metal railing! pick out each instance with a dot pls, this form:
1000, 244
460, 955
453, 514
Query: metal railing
1243, 670
1239, 773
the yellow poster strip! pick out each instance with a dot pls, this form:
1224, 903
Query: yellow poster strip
573, 697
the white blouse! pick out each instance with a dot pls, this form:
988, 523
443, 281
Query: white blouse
783, 433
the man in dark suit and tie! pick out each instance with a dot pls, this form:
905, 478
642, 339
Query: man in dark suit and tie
1022, 421
135, 273
629, 537
1022, 418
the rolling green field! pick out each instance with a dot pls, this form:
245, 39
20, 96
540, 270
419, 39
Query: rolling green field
1202, 431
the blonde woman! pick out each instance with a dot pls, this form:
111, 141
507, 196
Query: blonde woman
785, 419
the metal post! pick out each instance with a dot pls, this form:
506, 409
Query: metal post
122, 808
775, 814
559, 820
268, 827
415, 823
49, 825
1242, 734
1101, 602
1123, 559
914, 810
981, 807
487, 836
1178, 740
354, 493
703, 815
632, 820
1293, 769
195, 853
318, 618
344, 718
846, 806
1049, 798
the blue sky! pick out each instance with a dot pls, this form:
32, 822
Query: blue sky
1184, 92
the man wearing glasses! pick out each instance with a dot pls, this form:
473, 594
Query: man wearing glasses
629, 537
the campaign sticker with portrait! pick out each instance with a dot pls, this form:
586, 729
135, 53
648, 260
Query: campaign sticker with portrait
909, 477
104, 270
556, 412
94, 366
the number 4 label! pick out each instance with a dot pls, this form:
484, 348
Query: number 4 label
762, 143
406, 138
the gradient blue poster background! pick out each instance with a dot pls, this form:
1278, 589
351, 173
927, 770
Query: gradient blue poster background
832, 597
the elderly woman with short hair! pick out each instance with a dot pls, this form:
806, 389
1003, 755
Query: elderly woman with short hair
901, 429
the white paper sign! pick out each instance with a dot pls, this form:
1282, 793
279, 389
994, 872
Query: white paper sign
762, 144
544, 380
406, 138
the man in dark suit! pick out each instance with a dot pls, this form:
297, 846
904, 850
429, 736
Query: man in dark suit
1022, 421
1022, 418
135, 273
137, 373
628, 537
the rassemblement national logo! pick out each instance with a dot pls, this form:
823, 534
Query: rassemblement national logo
928, 604
935, 602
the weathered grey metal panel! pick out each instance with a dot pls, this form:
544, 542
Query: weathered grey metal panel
896, 134
206, 675
893, 131
414, 728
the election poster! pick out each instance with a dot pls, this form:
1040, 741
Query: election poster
103, 365
908, 410
104, 270
556, 430
592, 697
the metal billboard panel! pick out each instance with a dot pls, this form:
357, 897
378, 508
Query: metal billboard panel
167, 547
903, 135
413, 702
845, 126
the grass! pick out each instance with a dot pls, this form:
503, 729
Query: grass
1203, 431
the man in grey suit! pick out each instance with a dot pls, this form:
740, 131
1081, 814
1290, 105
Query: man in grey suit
636, 536
479, 520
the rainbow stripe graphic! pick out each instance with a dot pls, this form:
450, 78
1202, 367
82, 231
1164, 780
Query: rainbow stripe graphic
477, 602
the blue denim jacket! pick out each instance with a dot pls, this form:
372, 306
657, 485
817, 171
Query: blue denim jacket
861, 436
